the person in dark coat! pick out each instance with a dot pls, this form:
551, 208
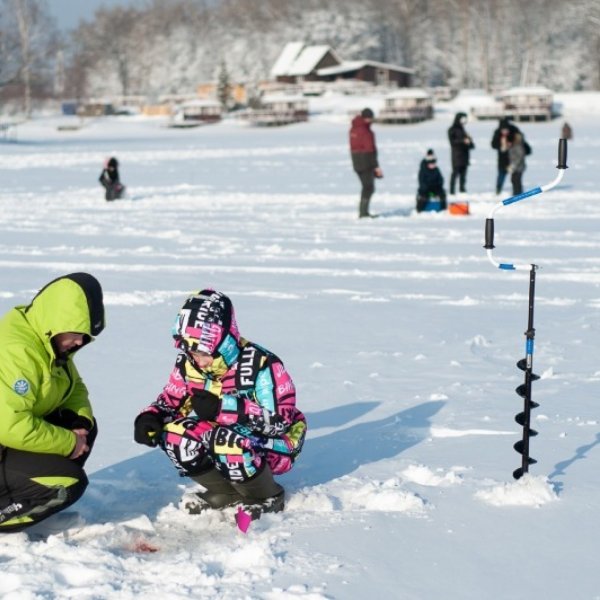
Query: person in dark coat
109, 179
431, 182
461, 144
566, 132
501, 141
364, 158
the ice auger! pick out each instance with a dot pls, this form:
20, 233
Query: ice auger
525, 364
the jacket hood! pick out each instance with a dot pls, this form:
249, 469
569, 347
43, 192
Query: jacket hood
206, 323
458, 117
71, 303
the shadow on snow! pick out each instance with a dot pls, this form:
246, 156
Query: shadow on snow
146, 483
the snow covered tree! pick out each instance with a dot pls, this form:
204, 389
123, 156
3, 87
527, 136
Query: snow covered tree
27, 41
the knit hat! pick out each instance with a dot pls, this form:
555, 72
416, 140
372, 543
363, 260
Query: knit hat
367, 113
430, 156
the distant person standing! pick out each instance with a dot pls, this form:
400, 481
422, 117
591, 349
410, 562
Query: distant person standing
516, 166
110, 181
461, 145
364, 158
566, 132
501, 141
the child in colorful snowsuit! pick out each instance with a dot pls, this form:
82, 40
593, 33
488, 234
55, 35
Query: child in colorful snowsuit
227, 417
110, 181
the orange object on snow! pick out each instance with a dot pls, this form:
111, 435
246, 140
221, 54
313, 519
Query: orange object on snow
458, 208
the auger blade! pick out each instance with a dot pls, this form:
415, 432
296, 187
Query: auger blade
522, 364
519, 448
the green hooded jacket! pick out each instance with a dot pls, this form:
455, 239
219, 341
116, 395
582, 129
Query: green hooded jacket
34, 381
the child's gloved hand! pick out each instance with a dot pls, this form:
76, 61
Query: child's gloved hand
205, 405
147, 428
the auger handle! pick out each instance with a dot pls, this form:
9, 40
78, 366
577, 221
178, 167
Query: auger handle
489, 222
562, 154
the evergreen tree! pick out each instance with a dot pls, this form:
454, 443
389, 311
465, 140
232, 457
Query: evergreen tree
224, 87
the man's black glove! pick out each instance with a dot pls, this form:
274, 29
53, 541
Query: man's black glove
206, 405
147, 428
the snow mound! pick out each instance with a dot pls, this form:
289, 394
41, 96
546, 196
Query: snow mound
352, 494
527, 491
422, 475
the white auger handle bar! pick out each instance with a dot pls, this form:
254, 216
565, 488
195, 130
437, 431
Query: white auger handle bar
489, 222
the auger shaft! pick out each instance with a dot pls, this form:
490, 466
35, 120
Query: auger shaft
524, 390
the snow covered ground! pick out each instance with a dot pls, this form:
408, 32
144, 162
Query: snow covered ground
400, 335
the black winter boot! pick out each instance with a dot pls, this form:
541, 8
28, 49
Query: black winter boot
219, 493
261, 494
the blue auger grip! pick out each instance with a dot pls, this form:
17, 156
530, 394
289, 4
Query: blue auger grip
529, 347
513, 199
507, 267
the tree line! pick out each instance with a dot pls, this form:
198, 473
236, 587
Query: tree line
156, 48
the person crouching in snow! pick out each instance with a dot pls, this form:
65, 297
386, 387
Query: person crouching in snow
431, 182
227, 417
47, 426
109, 179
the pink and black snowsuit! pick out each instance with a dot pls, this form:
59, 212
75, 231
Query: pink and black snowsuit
257, 418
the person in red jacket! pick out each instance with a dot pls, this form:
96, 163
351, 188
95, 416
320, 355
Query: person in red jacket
364, 158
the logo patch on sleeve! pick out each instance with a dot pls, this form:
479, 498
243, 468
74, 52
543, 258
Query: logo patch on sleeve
21, 386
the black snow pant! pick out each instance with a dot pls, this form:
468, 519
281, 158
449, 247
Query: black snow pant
516, 178
459, 173
34, 486
367, 180
114, 191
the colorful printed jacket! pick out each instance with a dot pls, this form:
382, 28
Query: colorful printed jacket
255, 390
34, 382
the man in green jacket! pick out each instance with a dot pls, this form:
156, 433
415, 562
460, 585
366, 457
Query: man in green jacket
47, 427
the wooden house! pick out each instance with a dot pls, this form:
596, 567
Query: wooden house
278, 109
196, 112
519, 104
409, 105
300, 63
95, 108
370, 71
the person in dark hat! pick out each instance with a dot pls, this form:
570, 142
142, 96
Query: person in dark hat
47, 427
461, 145
431, 182
109, 179
363, 151
227, 417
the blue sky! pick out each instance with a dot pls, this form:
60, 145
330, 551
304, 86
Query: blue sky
68, 13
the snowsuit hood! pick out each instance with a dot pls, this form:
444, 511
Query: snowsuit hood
207, 323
